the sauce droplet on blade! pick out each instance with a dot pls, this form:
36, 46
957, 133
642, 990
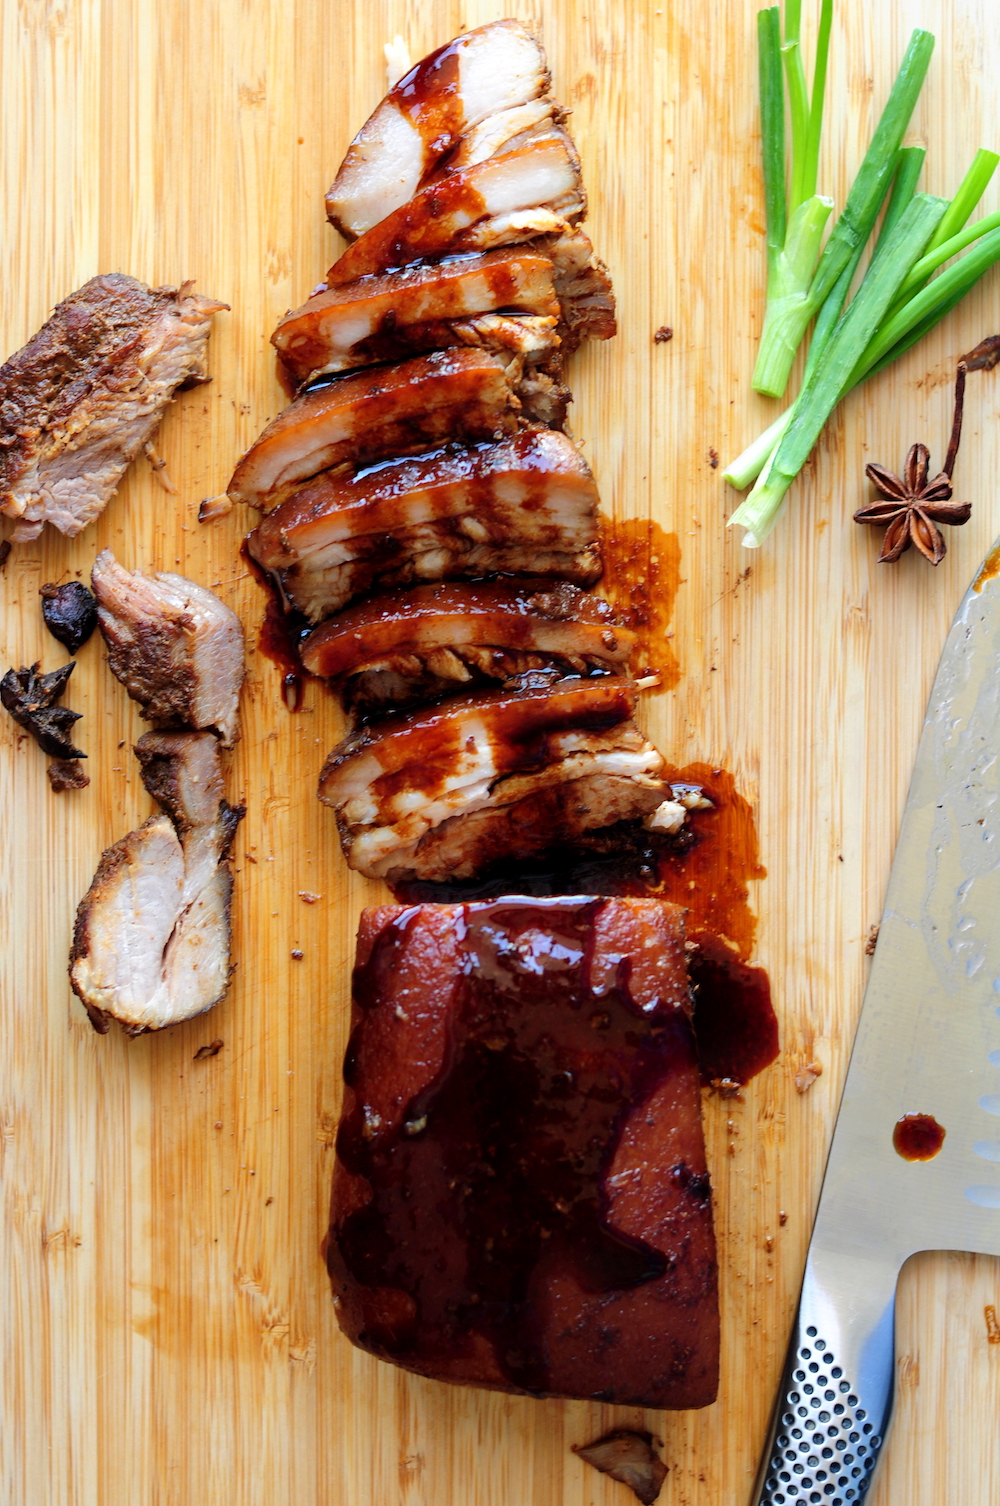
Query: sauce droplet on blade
917, 1137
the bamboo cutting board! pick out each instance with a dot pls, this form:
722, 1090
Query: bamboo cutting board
168, 1330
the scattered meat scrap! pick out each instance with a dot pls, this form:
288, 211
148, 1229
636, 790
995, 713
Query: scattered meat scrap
176, 648
630, 1458
520, 1198
151, 945
69, 612
30, 698
67, 774
212, 1049
87, 393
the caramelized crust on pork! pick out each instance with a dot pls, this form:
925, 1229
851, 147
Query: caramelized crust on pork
391, 316
151, 945
535, 190
176, 648
80, 400
417, 645
583, 287
525, 506
489, 72
453, 790
460, 394
520, 1198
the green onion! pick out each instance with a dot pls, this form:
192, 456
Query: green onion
848, 343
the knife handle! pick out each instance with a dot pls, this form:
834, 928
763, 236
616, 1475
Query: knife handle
836, 1392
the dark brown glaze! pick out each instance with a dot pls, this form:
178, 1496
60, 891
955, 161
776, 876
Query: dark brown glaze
642, 564
735, 1026
416, 645
441, 218
369, 415
428, 96
395, 315
917, 1137
281, 632
521, 1199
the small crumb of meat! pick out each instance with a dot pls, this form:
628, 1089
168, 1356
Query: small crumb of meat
663, 334
214, 507
630, 1458
212, 1049
872, 941
807, 1075
67, 774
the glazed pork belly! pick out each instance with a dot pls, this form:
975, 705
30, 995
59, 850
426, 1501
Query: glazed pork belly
432, 641
478, 91
520, 1197
454, 790
525, 506
368, 415
87, 392
391, 316
176, 648
535, 190
151, 944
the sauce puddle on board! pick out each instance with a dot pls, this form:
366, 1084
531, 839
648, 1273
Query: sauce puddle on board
642, 573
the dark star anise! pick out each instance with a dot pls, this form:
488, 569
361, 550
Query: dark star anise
910, 507
29, 697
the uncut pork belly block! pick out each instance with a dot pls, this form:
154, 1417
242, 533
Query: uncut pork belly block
151, 944
449, 792
176, 648
535, 190
431, 641
80, 400
520, 1198
394, 315
527, 505
478, 91
369, 415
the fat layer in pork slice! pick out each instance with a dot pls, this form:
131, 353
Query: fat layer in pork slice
525, 506
485, 72
417, 645
510, 198
363, 417
176, 648
393, 315
449, 792
80, 400
151, 945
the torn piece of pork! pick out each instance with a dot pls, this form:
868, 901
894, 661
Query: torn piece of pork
583, 287
536, 190
489, 70
525, 506
419, 645
448, 792
360, 418
176, 648
86, 393
396, 314
151, 945
520, 1197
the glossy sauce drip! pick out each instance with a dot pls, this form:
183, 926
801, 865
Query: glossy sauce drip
917, 1137
280, 635
641, 576
510, 1147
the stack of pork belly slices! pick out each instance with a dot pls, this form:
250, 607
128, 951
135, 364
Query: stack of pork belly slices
426, 512
151, 944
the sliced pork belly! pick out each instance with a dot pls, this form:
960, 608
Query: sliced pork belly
520, 1198
525, 506
533, 191
391, 316
450, 791
80, 400
460, 394
489, 71
176, 648
417, 645
583, 287
151, 945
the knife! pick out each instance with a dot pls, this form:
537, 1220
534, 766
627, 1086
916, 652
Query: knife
928, 1043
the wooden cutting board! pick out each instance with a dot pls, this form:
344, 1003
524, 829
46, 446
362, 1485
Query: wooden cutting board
169, 1335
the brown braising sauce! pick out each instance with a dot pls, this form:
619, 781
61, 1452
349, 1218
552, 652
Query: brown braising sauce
917, 1137
642, 572
280, 635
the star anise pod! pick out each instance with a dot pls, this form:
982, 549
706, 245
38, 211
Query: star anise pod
911, 506
29, 697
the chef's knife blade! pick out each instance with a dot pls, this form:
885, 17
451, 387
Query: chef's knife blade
928, 1042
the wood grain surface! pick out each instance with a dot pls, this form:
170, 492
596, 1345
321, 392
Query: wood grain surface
169, 1338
